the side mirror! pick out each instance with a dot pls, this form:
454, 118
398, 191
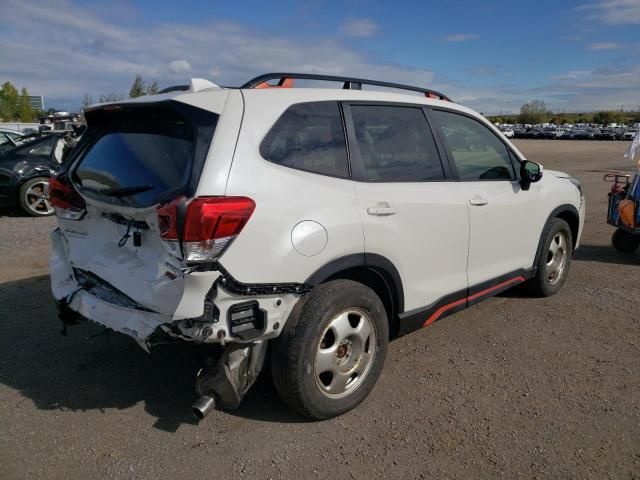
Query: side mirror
530, 172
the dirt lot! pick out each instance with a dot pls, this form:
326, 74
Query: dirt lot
513, 387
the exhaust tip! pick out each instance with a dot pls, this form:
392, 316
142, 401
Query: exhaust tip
203, 406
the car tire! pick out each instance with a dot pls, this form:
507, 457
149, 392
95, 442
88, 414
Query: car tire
554, 260
332, 350
33, 197
625, 242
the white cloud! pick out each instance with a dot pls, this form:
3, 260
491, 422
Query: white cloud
614, 12
236, 52
359, 27
179, 66
461, 37
72, 50
604, 46
571, 75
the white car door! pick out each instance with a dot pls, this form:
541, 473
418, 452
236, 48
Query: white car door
412, 213
503, 218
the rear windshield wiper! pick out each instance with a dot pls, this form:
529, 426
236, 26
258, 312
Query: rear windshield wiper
123, 191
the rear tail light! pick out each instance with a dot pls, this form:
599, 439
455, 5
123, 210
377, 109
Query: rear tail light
210, 224
65, 199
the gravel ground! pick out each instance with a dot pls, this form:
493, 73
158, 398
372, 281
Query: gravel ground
513, 387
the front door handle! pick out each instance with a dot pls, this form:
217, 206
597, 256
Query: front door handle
382, 209
478, 201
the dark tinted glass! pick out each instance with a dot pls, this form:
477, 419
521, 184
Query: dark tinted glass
43, 146
395, 144
147, 147
309, 136
477, 152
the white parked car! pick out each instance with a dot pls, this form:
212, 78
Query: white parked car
318, 223
508, 132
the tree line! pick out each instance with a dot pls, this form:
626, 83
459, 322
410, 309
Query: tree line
138, 89
536, 112
14, 105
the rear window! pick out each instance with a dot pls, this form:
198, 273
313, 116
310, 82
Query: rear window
140, 156
310, 137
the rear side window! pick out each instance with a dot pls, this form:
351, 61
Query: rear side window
396, 145
310, 137
139, 156
477, 152
38, 147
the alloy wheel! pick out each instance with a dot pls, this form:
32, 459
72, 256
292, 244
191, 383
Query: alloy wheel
345, 353
557, 258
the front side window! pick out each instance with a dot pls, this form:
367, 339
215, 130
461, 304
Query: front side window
310, 137
396, 145
477, 152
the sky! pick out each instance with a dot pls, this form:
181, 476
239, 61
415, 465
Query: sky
492, 56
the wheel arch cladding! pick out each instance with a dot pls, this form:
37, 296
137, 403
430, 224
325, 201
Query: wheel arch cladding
376, 272
569, 214
572, 217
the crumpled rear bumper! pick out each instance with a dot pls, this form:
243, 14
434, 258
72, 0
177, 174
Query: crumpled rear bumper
82, 305
75, 302
219, 315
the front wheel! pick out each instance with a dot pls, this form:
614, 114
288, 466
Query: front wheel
555, 259
329, 358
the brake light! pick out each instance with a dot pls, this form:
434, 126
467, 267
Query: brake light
65, 199
210, 225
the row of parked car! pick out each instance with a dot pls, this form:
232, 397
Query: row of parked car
26, 163
569, 132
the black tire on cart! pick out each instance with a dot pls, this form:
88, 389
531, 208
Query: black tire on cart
625, 242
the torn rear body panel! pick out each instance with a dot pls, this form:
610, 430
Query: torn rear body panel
195, 307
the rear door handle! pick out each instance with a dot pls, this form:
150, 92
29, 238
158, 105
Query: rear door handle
382, 209
478, 201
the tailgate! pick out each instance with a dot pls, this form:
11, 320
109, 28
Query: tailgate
133, 158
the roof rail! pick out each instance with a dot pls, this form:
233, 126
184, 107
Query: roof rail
285, 80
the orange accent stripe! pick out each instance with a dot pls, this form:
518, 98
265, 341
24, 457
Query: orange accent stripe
443, 309
438, 313
496, 287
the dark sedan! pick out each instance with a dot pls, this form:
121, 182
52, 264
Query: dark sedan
533, 133
608, 134
25, 171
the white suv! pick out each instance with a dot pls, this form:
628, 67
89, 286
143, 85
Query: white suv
316, 223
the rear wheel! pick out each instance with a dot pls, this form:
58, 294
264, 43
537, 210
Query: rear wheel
625, 242
329, 358
34, 197
555, 259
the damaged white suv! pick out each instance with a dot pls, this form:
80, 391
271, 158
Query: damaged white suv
314, 222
